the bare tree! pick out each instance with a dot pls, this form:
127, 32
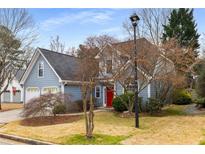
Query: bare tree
87, 73
95, 43
17, 33
150, 25
72, 51
56, 45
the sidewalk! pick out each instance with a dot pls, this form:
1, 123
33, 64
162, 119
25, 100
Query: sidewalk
23, 140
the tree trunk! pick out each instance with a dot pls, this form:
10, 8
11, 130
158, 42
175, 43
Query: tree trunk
91, 115
0, 103
85, 107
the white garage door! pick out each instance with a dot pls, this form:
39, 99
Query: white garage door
52, 90
32, 92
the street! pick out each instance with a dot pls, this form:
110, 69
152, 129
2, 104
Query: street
9, 142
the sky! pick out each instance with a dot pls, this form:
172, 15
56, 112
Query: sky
74, 25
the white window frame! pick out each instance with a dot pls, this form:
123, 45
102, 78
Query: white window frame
99, 92
41, 62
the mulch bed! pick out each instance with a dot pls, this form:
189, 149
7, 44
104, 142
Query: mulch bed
49, 120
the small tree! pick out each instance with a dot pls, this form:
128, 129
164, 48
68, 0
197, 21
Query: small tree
87, 74
44, 105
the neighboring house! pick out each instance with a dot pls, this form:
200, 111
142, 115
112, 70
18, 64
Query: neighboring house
109, 59
53, 72
14, 91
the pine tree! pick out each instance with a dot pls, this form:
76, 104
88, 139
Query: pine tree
182, 26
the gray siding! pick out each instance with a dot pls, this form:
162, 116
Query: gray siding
143, 93
153, 90
49, 79
73, 91
6, 96
75, 94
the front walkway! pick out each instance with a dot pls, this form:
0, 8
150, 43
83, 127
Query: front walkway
9, 116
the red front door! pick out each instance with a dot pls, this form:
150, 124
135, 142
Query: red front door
109, 97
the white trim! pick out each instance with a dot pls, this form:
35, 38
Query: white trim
11, 95
148, 90
30, 66
50, 65
40, 62
123, 90
2, 97
115, 90
73, 82
22, 94
99, 92
104, 96
33, 61
62, 88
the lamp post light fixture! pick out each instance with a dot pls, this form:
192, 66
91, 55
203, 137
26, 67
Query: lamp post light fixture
134, 19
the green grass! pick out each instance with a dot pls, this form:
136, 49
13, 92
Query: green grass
174, 110
202, 142
96, 139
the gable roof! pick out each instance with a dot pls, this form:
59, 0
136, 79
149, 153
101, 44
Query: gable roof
63, 64
146, 52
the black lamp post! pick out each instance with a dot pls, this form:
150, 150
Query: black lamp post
134, 19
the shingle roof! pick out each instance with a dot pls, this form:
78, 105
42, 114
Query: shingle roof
147, 52
19, 74
64, 65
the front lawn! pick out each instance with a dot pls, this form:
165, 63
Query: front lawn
172, 126
100, 139
10, 106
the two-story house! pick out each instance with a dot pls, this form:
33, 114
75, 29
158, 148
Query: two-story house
14, 91
54, 72
115, 59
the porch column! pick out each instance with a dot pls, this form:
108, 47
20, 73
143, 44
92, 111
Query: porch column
104, 96
11, 95
62, 87
148, 91
2, 97
22, 94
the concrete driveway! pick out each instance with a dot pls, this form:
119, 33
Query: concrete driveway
11, 115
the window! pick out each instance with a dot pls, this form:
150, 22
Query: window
97, 92
51, 90
109, 66
40, 69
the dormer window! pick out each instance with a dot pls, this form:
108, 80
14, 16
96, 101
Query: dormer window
41, 69
108, 66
